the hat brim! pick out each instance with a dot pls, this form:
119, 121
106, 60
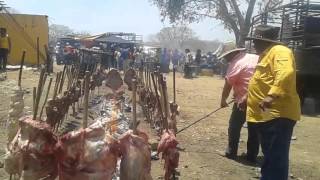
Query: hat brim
231, 51
263, 39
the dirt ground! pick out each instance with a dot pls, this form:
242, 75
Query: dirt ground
200, 159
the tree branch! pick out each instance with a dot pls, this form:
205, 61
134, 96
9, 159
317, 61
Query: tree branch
238, 12
249, 12
228, 18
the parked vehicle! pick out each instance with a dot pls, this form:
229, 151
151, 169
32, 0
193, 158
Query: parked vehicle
300, 30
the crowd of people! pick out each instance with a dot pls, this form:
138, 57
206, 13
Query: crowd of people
190, 63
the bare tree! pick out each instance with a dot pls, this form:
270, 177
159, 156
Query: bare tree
235, 15
175, 36
57, 31
181, 37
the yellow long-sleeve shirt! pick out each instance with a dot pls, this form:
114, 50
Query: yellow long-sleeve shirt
275, 75
4, 42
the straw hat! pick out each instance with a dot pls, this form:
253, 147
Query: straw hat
231, 51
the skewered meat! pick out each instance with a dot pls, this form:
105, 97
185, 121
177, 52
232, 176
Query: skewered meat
98, 77
57, 108
168, 147
136, 157
55, 111
114, 80
32, 153
128, 77
172, 124
87, 154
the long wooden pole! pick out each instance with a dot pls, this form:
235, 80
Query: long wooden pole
86, 99
34, 98
134, 106
157, 95
21, 68
38, 53
39, 91
62, 79
56, 85
46, 98
48, 59
165, 102
174, 85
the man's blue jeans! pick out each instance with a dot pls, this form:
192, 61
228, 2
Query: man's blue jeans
275, 142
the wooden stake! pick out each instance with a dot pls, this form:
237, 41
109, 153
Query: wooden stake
38, 53
174, 85
62, 79
46, 98
86, 99
39, 91
165, 102
21, 68
56, 85
134, 106
34, 98
48, 59
157, 95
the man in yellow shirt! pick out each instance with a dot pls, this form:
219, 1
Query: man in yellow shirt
5, 46
273, 104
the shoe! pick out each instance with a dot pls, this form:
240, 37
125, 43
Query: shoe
250, 159
227, 155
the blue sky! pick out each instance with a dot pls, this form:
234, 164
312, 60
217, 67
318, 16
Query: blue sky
99, 16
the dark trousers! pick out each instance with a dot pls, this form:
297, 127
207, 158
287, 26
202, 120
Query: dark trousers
237, 119
187, 71
275, 142
3, 58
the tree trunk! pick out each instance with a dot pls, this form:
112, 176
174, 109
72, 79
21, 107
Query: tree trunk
242, 37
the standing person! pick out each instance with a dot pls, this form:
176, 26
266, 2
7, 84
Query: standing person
175, 58
273, 101
240, 70
138, 58
198, 57
117, 55
5, 47
165, 61
198, 60
131, 57
188, 60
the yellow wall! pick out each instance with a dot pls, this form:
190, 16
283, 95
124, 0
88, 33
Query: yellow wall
24, 36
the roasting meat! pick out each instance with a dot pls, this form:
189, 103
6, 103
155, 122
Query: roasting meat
174, 111
32, 151
57, 108
87, 154
168, 147
128, 77
136, 157
114, 80
98, 77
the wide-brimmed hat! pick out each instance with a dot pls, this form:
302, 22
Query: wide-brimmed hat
266, 33
231, 51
